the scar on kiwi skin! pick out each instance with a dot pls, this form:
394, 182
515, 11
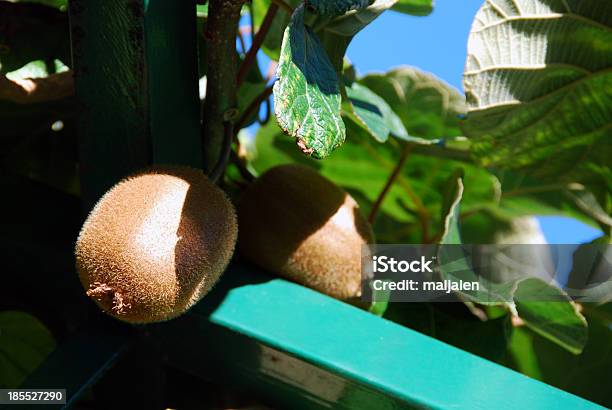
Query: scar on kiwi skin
302, 145
104, 294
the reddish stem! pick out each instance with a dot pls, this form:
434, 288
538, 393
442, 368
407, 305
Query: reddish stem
251, 56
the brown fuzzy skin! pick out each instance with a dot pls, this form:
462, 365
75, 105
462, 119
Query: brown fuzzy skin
155, 244
300, 225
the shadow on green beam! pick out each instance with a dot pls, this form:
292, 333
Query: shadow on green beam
304, 350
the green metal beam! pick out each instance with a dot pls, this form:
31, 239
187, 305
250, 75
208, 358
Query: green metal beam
135, 64
305, 350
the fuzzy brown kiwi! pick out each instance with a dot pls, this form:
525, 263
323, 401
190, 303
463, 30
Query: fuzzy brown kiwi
300, 225
155, 244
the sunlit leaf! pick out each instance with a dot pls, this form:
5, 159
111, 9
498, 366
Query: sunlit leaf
537, 81
428, 107
373, 113
336, 7
306, 95
414, 7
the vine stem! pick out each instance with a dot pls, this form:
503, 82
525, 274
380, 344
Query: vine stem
240, 165
258, 40
217, 171
394, 174
284, 5
221, 87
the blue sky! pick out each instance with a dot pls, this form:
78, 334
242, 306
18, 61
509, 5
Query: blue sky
437, 43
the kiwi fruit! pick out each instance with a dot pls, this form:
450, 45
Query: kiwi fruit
300, 225
155, 244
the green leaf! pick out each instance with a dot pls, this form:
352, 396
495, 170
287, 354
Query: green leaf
373, 113
24, 344
537, 81
351, 23
414, 7
587, 203
306, 96
336, 7
337, 33
559, 322
590, 279
37, 69
428, 107
450, 209
452, 260
202, 10
522, 194
58, 4
379, 307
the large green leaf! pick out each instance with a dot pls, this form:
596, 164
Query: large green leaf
306, 96
428, 107
414, 7
538, 82
371, 112
24, 344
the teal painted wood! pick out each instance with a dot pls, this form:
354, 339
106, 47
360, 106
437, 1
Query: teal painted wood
307, 350
135, 64
172, 79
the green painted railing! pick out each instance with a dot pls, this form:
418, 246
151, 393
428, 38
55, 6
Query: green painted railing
136, 78
306, 350
303, 350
